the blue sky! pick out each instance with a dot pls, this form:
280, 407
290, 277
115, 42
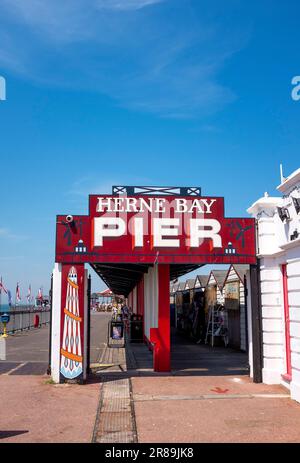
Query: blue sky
103, 92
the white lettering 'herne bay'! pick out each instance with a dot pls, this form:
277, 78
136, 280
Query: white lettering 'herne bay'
154, 205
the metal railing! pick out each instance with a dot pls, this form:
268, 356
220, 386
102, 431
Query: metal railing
24, 319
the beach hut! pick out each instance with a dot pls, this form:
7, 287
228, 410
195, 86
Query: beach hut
173, 290
179, 297
234, 301
214, 288
201, 282
189, 290
200, 286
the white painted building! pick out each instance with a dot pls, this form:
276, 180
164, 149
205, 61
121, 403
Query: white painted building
278, 243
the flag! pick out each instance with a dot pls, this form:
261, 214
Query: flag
29, 294
9, 298
18, 296
40, 295
2, 287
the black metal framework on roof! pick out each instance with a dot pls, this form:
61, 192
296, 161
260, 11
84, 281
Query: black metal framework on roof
177, 270
122, 278
156, 190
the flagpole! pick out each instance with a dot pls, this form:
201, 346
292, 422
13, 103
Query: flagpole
16, 295
28, 297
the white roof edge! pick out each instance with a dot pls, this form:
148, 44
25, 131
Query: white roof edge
290, 181
266, 202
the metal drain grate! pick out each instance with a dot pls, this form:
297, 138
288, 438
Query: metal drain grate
115, 422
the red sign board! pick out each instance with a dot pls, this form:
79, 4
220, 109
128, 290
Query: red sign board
155, 229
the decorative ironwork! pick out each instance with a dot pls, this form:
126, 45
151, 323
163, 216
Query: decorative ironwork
68, 231
156, 190
237, 231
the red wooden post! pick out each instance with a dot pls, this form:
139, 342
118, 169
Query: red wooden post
161, 336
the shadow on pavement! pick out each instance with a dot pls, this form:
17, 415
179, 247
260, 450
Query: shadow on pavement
5, 434
188, 359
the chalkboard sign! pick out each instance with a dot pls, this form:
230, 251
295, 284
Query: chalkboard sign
116, 330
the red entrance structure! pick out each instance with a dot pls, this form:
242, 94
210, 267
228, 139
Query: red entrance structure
137, 239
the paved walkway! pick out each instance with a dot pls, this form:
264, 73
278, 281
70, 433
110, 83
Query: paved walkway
213, 409
34, 410
208, 397
115, 422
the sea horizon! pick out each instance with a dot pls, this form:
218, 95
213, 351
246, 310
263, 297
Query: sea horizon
7, 307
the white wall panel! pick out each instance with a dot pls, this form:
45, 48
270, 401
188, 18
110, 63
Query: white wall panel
56, 322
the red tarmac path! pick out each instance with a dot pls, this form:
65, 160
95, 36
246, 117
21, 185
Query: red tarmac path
187, 409
35, 411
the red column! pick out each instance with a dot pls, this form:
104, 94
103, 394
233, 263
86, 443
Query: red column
161, 336
288, 375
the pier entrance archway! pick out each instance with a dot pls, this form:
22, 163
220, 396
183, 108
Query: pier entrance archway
137, 239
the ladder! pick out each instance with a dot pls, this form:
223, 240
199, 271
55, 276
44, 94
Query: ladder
217, 325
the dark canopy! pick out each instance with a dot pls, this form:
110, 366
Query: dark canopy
122, 278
